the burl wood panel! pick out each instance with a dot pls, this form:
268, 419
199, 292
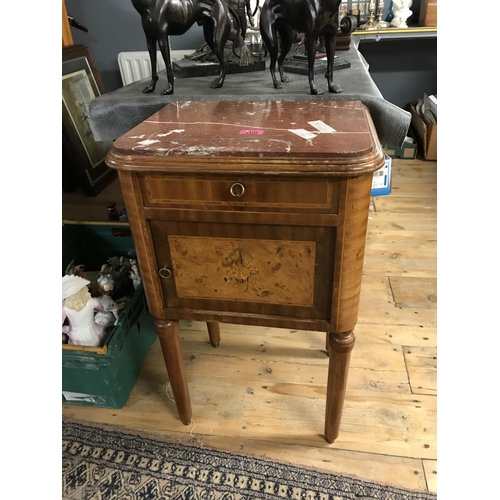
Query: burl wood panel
267, 271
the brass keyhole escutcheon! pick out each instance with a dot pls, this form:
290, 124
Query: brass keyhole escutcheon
237, 190
165, 272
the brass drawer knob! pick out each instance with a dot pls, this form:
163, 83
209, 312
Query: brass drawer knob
165, 272
237, 189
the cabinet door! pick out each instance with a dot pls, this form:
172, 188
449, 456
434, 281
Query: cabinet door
245, 268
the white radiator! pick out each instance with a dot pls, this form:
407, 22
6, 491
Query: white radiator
135, 66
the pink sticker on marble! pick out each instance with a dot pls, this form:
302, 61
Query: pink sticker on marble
251, 132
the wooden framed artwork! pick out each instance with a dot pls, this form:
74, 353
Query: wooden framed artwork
81, 84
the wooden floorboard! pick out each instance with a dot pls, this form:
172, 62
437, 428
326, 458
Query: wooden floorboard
430, 471
262, 392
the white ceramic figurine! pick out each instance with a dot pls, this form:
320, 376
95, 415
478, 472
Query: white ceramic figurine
401, 10
134, 274
79, 306
110, 313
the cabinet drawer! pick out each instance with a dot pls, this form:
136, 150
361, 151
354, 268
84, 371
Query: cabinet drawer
262, 194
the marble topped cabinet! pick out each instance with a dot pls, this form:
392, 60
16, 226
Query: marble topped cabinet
252, 213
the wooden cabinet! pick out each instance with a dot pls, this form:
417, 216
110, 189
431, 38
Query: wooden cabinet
428, 13
252, 213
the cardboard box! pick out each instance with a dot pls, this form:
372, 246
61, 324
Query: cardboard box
408, 151
381, 183
427, 134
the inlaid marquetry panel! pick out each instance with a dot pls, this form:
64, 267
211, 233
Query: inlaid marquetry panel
250, 270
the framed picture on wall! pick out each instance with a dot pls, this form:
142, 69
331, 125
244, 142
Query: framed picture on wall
81, 84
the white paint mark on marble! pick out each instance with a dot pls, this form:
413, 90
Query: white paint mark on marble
288, 144
203, 151
197, 153
138, 136
177, 131
147, 142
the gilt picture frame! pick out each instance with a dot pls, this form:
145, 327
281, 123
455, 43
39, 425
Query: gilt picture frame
81, 83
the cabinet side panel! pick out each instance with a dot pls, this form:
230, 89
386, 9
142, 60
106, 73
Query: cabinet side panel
350, 253
143, 242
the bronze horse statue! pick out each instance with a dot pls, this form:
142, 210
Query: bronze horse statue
279, 19
162, 18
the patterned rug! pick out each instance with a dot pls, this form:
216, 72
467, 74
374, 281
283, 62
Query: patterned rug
102, 464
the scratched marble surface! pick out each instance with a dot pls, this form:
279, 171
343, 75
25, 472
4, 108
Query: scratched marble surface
263, 129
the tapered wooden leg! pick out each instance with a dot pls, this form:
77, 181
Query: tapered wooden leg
340, 347
168, 333
214, 332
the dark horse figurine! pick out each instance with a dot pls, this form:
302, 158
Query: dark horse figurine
161, 18
314, 18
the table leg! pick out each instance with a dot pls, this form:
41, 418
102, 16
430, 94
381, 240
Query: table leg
168, 334
340, 347
214, 332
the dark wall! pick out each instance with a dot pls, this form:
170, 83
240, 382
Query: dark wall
402, 69
115, 26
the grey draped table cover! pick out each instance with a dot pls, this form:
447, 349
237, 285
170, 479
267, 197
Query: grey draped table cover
115, 113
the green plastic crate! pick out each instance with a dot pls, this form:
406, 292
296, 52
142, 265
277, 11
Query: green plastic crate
91, 378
